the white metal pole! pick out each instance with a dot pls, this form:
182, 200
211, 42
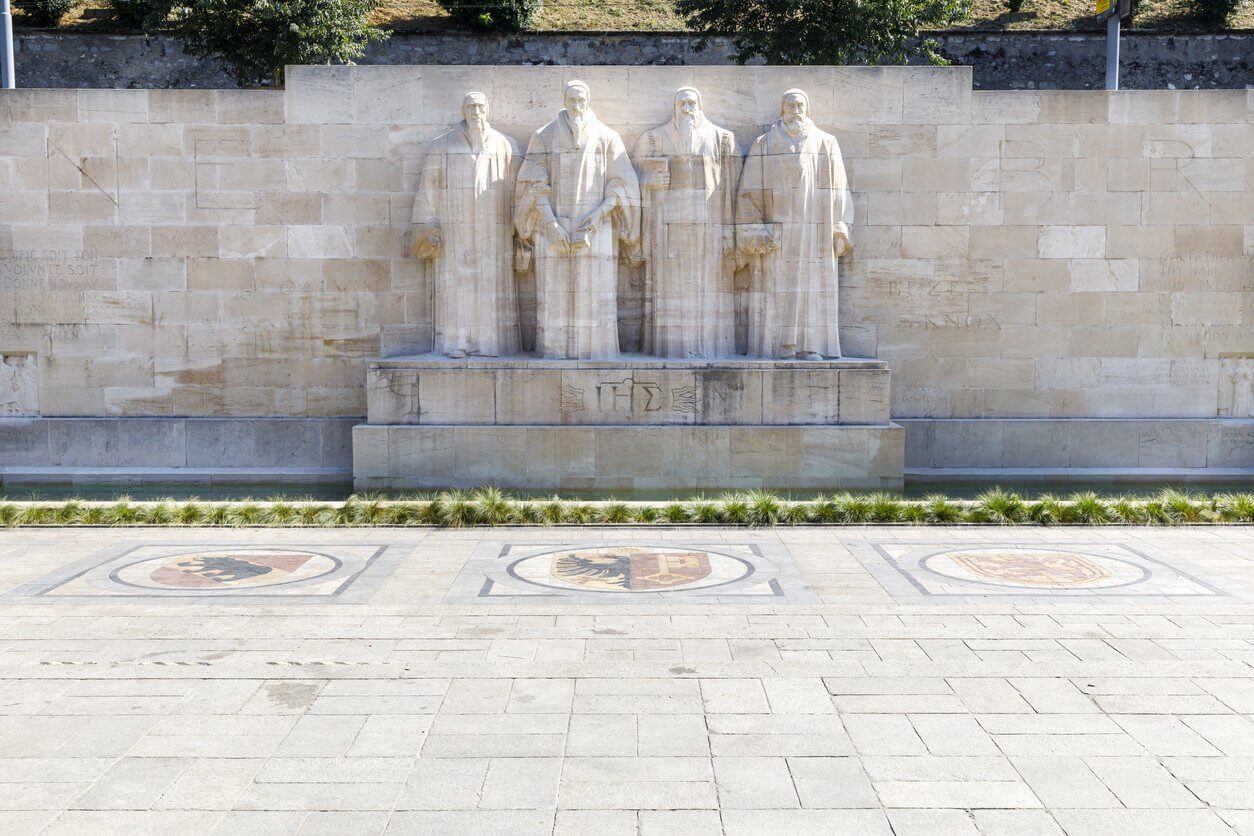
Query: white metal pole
6, 46
1112, 51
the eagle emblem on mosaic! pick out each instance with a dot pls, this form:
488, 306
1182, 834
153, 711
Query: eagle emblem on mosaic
1032, 568
630, 569
229, 569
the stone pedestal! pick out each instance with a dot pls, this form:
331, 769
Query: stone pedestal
632, 423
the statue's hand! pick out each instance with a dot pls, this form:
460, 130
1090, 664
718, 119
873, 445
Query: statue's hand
756, 239
658, 180
556, 236
841, 244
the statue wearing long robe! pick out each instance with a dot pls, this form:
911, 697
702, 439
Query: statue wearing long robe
793, 213
462, 220
686, 237
569, 176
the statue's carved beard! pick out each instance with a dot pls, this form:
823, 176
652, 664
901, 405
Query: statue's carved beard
475, 129
578, 118
689, 123
797, 125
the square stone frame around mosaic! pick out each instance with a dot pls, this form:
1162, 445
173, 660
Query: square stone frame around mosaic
361, 577
904, 581
484, 579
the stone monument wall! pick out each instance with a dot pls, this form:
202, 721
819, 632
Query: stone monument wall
1048, 255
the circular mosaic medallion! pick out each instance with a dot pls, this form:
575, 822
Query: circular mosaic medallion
223, 570
629, 569
1034, 568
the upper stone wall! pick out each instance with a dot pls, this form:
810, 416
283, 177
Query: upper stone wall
1000, 60
221, 252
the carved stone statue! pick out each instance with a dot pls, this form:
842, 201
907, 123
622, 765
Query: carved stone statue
462, 221
793, 213
577, 199
689, 168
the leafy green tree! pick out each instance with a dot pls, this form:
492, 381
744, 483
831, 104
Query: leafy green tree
255, 39
44, 12
1215, 14
825, 31
139, 14
497, 15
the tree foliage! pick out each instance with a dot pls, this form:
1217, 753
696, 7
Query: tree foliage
1214, 13
496, 15
255, 39
139, 14
44, 12
825, 31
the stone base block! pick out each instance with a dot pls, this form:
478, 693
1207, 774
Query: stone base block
632, 390
622, 458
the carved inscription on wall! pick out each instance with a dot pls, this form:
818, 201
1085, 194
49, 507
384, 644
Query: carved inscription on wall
29, 269
628, 396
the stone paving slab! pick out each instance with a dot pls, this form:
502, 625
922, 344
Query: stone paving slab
1026, 698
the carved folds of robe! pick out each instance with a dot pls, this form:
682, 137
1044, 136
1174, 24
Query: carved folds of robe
794, 190
686, 236
564, 178
465, 196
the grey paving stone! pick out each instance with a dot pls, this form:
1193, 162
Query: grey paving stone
602, 735
672, 735
1065, 782
667, 822
132, 784
831, 783
444, 784
807, 822
337, 822
1142, 782
1141, 822
486, 822
754, 784
1015, 823
876, 734
958, 794
927, 822
319, 736
521, 784
953, 734
602, 823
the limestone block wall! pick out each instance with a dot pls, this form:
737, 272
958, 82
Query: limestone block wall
1019, 254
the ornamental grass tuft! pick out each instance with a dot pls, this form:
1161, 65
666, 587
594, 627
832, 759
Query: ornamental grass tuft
999, 507
885, 508
705, 512
939, 510
615, 513
493, 506
734, 509
1234, 507
764, 508
1086, 507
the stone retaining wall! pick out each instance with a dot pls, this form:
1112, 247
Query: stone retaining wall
1022, 60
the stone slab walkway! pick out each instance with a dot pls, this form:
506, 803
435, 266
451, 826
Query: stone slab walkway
635, 681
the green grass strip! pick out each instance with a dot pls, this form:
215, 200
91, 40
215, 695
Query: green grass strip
761, 509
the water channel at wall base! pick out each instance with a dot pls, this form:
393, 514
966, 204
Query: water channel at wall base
340, 491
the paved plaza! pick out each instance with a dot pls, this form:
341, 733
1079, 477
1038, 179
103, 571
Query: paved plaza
628, 681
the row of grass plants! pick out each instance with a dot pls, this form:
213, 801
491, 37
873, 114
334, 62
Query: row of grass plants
492, 507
